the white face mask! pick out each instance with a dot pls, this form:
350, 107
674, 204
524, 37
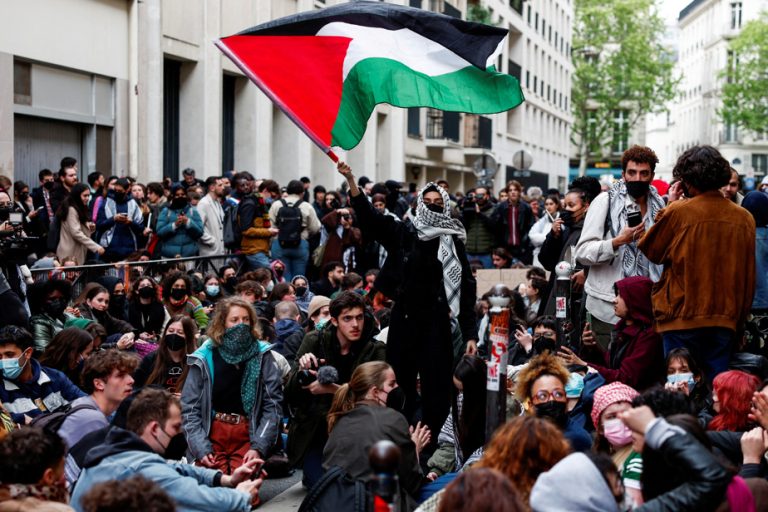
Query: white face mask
270, 287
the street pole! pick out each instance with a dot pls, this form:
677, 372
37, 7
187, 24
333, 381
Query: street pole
496, 380
384, 459
563, 301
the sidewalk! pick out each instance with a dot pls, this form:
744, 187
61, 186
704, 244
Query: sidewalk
287, 501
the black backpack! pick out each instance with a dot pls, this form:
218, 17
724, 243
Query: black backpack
52, 421
232, 234
337, 491
289, 224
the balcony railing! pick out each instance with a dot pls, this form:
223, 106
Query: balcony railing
478, 131
443, 125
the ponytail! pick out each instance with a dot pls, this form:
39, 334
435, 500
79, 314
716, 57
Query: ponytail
343, 402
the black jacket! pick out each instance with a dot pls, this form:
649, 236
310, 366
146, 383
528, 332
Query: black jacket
412, 275
525, 221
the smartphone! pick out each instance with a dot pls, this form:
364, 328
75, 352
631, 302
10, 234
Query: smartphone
589, 320
634, 219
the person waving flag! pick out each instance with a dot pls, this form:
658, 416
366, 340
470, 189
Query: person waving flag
327, 69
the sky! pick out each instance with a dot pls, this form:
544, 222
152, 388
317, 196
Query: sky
670, 9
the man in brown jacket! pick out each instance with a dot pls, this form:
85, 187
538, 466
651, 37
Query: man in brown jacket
707, 246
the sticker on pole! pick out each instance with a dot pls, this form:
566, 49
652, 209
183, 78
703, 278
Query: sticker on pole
492, 383
560, 307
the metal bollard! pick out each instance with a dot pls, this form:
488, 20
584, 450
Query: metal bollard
384, 458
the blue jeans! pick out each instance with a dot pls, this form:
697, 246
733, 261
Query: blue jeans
258, 260
483, 258
294, 258
710, 347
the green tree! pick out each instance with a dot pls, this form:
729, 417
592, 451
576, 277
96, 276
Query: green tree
745, 87
619, 63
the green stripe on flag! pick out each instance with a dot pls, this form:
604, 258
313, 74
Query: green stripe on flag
378, 80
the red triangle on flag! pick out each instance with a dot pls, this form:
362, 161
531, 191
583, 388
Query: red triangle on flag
303, 75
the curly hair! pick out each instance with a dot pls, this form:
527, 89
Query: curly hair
539, 366
734, 391
640, 155
522, 449
702, 167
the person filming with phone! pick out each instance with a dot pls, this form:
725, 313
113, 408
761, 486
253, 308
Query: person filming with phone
616, 220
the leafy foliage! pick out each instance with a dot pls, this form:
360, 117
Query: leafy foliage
745, 87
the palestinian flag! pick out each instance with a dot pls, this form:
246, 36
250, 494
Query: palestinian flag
327, 69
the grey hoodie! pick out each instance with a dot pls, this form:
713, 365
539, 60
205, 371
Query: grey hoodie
573, 484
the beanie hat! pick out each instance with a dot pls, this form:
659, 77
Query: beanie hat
317, 302
608, 395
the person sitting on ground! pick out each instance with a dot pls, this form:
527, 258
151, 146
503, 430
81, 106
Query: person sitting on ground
367, 410
107, 378
303, 294
135, 494
318, 313
178, 299
93, 304
68, 351
732, 395
48, 302
30, 389
154, 420
636, 356
479, 491
167, 366
541, 389
145, 311
288, 330
32, 469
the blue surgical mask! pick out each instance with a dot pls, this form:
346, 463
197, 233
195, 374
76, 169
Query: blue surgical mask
321, 323
575, 385
11, 367
212, 290
682, 377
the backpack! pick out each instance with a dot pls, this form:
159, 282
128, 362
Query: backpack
289, 225
337, 491
232, 234
52, 421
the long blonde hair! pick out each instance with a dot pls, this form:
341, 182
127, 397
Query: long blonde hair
365, 376
217, 327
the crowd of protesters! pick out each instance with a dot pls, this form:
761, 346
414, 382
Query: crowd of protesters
334, 319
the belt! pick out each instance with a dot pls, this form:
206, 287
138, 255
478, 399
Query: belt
231, 418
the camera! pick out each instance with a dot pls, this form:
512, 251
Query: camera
325, 375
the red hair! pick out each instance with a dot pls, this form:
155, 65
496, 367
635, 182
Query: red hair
734, 391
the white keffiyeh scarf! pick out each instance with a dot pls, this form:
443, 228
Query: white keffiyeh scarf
430, 225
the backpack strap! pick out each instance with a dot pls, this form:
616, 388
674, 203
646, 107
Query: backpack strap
317, 490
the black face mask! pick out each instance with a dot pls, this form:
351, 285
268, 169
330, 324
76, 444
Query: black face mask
637, 189
396, 399
117, 302
23, 196
119, 197
5, 213
175, 342
147, 292
177, 447
554, 411
569, 217
435, 208
231, 282
544, 344
48, 185
179, 203
178, 293
55, 307
279, 271
300, 291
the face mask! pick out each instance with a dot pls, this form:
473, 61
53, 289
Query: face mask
268, 200
179, 203
637, 189
119, 197
55, 307
178, 293
237, 338
175, 342
435, 208
48, 185
567, 217
176, 447
227, 191
544, 344
321, 323
24, 196
396, 399
682, 377
554, 411
12, 368
270, 287
300, 291
232, 282
575, 385
117, 302
5, 213
279, 271
212, 290
147, 292
617, 433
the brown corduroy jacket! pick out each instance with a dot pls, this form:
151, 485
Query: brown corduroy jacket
707, 247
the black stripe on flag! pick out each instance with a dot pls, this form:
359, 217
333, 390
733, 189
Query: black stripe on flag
474, 42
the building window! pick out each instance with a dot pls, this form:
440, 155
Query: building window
760, 164
735, 15
527, 79
514, 69
536, 21
414, 122
517, 5
528, 8
535, 84
731, 133
620, 141
228, 124
171, 85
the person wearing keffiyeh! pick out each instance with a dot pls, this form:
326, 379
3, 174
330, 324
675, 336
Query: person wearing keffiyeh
427, 274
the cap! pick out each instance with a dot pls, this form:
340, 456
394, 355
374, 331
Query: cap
608, 395
393, 185
317, 302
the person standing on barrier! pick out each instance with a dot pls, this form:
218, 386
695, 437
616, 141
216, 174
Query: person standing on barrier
75, 228
428, 276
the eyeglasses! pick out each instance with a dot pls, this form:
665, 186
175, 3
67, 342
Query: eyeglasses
545, 396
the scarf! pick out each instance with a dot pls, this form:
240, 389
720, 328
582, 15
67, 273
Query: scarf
237, 346
633, 262
430, 225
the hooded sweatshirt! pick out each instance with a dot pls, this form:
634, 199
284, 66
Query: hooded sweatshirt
573, 484
636, 353
125, 454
